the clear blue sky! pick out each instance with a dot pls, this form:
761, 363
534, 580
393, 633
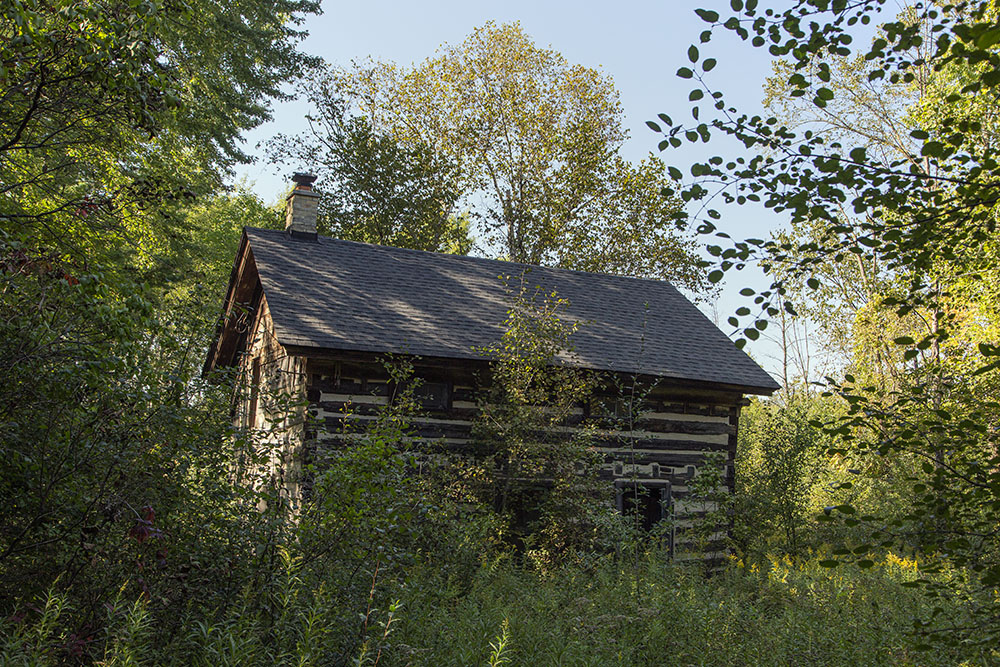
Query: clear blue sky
640, 44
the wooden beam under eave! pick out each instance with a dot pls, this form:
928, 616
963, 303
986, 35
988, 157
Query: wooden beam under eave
242, 293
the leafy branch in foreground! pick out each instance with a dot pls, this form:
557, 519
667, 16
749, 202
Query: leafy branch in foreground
923, 208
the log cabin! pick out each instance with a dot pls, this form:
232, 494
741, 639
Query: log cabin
311, 317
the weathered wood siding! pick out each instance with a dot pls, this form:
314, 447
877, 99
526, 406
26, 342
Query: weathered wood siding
663, 449
272, 406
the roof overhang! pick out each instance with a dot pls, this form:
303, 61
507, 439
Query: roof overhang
696, 387
242, 292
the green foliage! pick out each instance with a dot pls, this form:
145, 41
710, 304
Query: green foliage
538, 475
896, 177
141, 527
790, 470
777, 614
365, 500
500, 653
114, 453
535, 141
209, 231
115, 113
781, 474
950, 520
375, 510
777, 451
915, 205
193, 277
708, 509
601, 614
376, 189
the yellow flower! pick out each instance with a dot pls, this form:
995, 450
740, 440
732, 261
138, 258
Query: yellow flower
902, 563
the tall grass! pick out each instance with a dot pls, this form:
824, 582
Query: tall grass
779, 614
601, 613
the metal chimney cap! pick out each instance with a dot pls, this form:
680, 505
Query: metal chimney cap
304, 178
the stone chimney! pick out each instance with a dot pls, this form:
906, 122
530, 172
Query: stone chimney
301, 207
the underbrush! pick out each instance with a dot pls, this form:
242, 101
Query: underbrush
601, 613
778, 614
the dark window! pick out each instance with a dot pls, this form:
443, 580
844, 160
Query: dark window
432, 395
377, 387
646, 504
254, 392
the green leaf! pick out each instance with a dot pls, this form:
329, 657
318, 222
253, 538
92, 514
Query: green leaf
653, 126
709, 64
829, 563
685, 73
932, 149
707, 15
715, 276
988, 38
693, 53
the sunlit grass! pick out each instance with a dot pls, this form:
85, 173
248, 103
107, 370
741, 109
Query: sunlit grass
779, 612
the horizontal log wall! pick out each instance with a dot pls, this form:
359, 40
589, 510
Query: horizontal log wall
666, 445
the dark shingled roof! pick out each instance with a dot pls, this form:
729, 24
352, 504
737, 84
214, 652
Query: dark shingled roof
342, 295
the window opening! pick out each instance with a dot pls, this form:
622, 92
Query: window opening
254, 392
648, 503
432, 395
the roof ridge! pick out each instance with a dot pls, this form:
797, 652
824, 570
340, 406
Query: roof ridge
332, 240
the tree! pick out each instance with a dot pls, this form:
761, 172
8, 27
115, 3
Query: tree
535, 141
926, 212
114, 113
375, 188
191, 282
540, 479
116, 454
878, 115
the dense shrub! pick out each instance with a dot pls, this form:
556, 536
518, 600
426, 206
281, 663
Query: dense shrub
114, 455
